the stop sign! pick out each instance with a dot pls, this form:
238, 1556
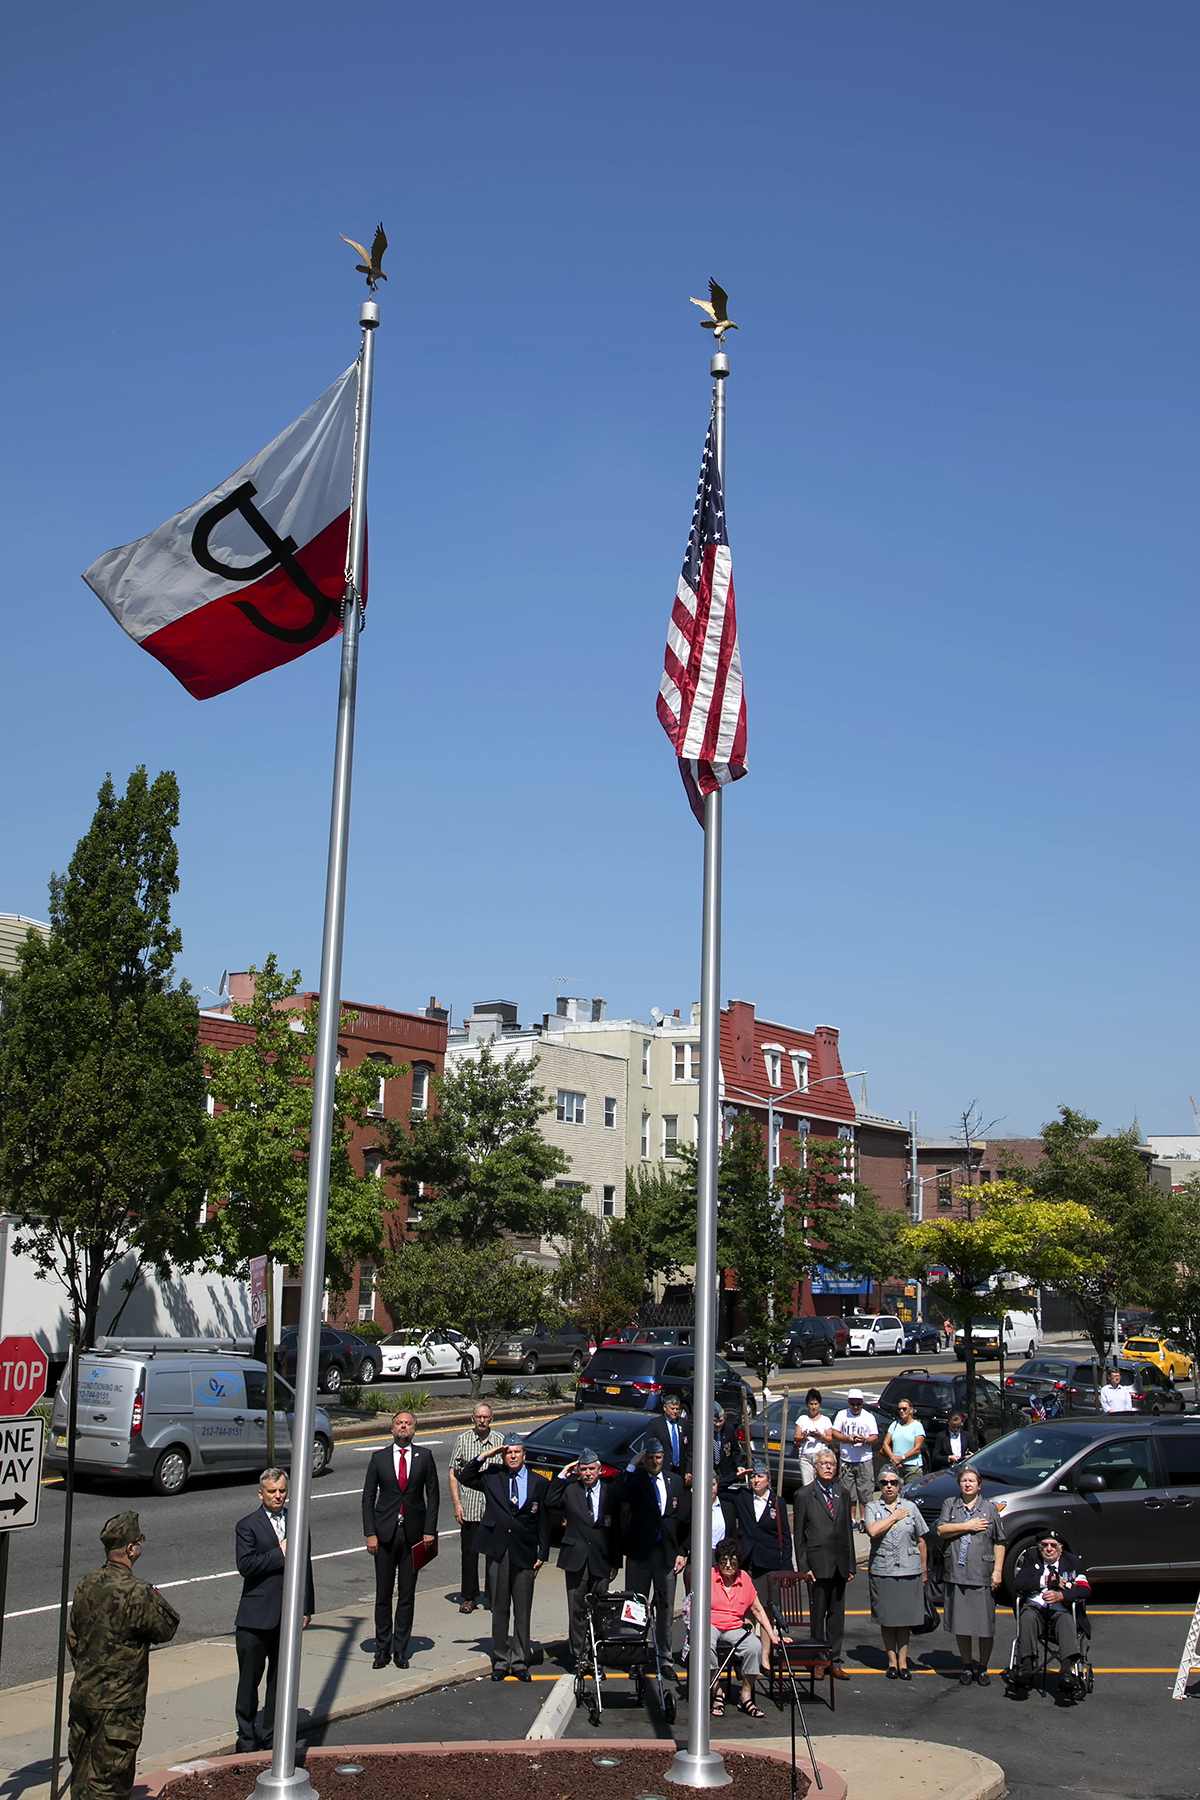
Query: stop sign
22, 1376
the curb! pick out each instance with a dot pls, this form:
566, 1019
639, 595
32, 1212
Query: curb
556, 1710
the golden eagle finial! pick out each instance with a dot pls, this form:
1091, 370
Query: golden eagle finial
370, 266
718, 319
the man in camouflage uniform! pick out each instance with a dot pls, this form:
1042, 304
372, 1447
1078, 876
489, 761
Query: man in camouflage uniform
115, 1617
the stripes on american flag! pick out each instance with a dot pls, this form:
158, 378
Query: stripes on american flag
700, 699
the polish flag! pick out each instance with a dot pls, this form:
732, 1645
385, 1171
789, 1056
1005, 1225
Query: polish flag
253, 575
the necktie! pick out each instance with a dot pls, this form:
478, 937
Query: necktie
515, 1493
402, 1470
828, 1493
594, 1497
675, 1444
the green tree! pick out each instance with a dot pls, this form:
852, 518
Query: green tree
1132, 1234
1172, 1290
601, 1277
760, 1235
660, 1218
862, 1238
483, 1290
1011, 1234
104, 1137
263, 1094
482, 1157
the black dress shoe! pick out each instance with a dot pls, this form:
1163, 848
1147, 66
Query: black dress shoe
982, 1678
499, 1674
522, 1675
905, 1674
382, 1659
893, 1674
401, 1662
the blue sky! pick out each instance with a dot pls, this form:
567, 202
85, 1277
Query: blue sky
962, 246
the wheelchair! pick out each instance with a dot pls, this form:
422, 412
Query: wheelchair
1082, 1678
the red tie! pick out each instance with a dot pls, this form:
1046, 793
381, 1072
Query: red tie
402, 1471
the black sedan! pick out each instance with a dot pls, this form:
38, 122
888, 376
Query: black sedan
618, 1438
342, 1357
921, 1337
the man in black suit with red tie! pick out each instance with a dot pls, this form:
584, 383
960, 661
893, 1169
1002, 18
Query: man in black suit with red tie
400, 1512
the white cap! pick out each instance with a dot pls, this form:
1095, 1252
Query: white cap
855, 1394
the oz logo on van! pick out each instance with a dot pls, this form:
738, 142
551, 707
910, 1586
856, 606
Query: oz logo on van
215, 1389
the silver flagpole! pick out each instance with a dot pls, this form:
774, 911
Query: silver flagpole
283, 1777
699, 1765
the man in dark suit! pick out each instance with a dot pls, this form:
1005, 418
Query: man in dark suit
589, 1557
399, 1512
824, 1541
727, 1452
514, 1535
656, 1509
676, 1435
261, 1559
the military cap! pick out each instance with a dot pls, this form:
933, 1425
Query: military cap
760, 1467
513, 1440
121, 1529
718, 1410
588, 1455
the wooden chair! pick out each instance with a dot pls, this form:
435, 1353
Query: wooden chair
807, 1657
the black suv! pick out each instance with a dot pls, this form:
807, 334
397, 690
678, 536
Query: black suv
642, 1375
343, 1357
934, 1397
814, 1339
1073, 1385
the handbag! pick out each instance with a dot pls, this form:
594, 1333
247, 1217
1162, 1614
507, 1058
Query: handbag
932, 1618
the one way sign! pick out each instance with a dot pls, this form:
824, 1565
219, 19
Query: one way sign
21, 1444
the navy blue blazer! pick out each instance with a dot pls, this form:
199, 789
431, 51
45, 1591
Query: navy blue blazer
260, 1563
759, 1538
523, 1534
644, 1528
586, 1545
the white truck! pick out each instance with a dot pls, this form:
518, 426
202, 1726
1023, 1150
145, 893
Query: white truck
1021, 1331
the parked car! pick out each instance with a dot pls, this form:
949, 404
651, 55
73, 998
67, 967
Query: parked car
640, 1376
618, 1438
920, 1338
875, 1334
1072, 1384
813, 1339
664, 1334
935, 1396
1020, 1331
764, 1430
342, 1357
1122, 1492
162, 1411
1164, 1353
1132, 1321
541, 1347
411, 1353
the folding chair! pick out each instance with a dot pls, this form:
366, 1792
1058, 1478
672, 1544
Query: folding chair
809, 1657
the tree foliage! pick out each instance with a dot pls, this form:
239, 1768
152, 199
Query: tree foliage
263, 1093
862, 1238
1172, 1288
105, 1143
601, 1276
1132, 1234
762, 1237
1011, 1234
482, 1157
483, 1290
660, 1218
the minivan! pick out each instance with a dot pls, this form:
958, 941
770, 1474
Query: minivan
164, 1410
642, 1375
1122, 1492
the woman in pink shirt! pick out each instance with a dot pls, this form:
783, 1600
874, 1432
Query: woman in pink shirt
733, 1596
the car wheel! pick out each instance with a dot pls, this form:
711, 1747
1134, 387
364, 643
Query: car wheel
1156, 1409
529, 1366
827, 1356
871, 1348
367, 1372
331, 1381
171, 1472
845, 1351
412, 1368
577, 1362
322, 1455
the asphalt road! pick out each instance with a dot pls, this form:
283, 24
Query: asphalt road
1128, 1741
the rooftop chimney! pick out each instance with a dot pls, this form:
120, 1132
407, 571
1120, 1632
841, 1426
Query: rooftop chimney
598, 1007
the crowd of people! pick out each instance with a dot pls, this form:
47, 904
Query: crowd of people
641, 1519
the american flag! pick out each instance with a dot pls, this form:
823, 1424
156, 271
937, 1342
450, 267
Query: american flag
700, 700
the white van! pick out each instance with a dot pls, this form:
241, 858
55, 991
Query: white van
875, 1334
166, 1409
1021, 1333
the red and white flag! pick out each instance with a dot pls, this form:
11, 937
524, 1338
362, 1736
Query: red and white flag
700, 700
253, 575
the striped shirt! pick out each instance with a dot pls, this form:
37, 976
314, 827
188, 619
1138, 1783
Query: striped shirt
467, 1446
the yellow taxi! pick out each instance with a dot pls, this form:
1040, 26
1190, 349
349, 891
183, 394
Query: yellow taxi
1162, 1352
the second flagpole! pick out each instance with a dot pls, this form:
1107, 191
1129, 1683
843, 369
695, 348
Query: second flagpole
283, 1778
699, 1765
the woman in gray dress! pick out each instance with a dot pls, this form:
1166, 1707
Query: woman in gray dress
896, 1571
973, 1535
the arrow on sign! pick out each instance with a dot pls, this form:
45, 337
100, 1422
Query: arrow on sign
17, 1504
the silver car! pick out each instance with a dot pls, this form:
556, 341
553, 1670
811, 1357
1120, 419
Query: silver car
165, 1410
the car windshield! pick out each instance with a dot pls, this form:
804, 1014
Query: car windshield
580, 1430
1026, 1457
403, 1337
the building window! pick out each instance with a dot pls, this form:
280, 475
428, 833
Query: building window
800, 1071
608, 1205
773, 1057
610, 1113
687, 1062
571, 1107
645, 1137
776, 1142
376, 1106
420, 1093
646, 1059
210, 1105
366, 1292
373, 1164
670, 1134
945, 1195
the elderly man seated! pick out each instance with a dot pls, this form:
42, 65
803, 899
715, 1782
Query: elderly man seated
1049, 1582
733, 1597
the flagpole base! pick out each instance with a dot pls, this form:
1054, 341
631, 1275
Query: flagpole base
707, 1770
295, 1786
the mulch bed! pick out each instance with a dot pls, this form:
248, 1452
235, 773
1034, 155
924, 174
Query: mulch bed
561, 1774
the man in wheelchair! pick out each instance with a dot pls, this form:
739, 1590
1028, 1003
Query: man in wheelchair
1052, 1593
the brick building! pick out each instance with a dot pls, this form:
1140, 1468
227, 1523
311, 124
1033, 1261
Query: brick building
377, 1034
